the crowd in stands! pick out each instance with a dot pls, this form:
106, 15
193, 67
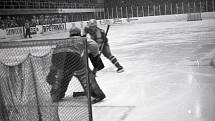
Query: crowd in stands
48, 19
19, 21
38, 4
42, 19
10, 22
171, 8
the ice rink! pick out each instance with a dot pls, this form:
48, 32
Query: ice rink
169, 72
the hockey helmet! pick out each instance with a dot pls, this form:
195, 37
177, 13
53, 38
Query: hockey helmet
75, 31
92, 22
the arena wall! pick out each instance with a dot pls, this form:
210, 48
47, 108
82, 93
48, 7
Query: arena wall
135, 20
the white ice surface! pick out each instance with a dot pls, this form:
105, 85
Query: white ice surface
169, 75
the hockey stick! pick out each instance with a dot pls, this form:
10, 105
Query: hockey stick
102, 46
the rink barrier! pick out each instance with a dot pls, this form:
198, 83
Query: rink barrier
53, 27
12, 33
34, 30
18, 33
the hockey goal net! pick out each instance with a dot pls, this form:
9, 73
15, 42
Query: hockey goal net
24, 91
194, 16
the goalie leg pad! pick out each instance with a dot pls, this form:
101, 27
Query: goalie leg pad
96, 62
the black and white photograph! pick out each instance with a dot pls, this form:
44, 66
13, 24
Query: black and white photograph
107, 60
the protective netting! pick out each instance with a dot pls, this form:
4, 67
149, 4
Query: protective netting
24, 91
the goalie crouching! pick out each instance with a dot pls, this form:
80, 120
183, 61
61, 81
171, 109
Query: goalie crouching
67, 63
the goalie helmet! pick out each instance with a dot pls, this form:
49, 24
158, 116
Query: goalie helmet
74, 31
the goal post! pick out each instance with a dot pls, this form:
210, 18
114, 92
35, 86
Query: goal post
24, 91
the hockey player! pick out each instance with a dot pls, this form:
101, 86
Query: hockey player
67, 63
28, 29
93, 51
98, 35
